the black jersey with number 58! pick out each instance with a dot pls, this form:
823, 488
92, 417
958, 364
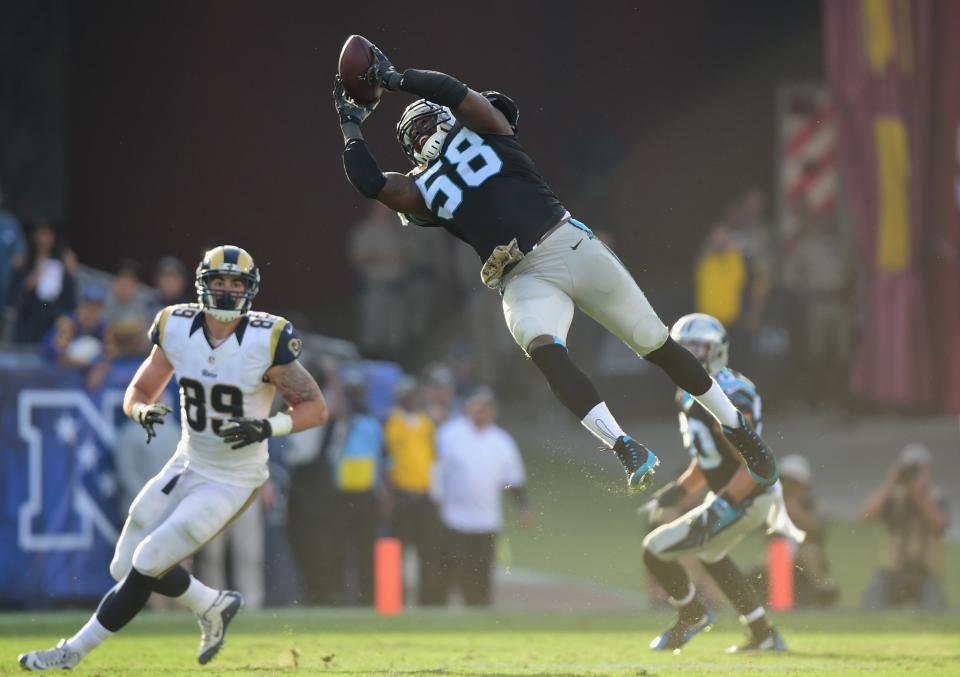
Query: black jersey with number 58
485, 189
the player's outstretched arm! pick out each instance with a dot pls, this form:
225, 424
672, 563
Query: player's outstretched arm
306, 405
396, 191
140, 400
470, 107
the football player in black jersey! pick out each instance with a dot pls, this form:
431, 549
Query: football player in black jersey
736, 505
474, 179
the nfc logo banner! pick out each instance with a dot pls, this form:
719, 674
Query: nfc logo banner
69, 477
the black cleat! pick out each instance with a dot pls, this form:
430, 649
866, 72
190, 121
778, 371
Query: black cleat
761, 462
772, 642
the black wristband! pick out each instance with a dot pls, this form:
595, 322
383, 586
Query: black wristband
436, 87
362, 169
670, 495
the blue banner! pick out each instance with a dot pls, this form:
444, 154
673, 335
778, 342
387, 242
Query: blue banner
59, 519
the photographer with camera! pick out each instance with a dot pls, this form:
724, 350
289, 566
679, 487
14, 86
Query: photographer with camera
914, 512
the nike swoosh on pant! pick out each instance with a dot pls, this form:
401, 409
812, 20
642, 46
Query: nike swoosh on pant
574, 247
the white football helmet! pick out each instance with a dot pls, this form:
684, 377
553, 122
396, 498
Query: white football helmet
705, 337
422, 129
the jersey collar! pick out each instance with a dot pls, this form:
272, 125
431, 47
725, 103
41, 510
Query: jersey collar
200, 325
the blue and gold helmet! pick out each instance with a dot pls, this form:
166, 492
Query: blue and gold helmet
227, 261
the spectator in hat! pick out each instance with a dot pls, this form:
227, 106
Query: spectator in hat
439, 394
77, 339
914, 513
812, 586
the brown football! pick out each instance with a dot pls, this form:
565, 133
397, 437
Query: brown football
355, 59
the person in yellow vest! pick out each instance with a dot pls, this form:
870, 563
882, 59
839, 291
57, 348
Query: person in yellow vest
409, 438
721, 276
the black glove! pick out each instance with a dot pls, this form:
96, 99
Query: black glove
245, 431
382, 72
149, 415
348, 109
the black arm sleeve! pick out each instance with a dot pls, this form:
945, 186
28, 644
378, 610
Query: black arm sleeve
436, 87
362, 169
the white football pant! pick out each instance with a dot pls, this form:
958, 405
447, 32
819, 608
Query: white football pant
173, 516
573, 267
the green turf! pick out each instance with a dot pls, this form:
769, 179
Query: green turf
357, 643
588, 528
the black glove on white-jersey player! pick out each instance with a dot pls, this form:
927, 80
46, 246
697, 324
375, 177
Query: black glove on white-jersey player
240, 432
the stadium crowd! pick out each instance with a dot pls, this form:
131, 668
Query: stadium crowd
430, 468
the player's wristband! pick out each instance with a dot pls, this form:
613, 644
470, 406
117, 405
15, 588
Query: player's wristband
436, 87
362, 169
671, 494
280, 424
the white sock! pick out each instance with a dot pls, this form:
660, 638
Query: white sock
717, 403
602, 424
754, 615
89, 637
198, 597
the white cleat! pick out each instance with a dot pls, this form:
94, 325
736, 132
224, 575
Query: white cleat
60, 657
213, 624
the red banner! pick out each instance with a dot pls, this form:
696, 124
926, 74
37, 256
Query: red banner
890, 65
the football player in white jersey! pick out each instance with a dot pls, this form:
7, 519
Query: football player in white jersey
229, 361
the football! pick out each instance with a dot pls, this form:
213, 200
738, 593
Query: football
355, 59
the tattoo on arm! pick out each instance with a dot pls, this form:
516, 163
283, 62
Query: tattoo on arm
295, 384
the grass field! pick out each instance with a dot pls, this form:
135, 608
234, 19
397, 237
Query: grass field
358, 643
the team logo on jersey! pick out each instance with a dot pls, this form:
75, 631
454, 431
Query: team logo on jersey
295, 345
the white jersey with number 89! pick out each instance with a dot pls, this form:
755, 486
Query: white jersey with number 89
218, 382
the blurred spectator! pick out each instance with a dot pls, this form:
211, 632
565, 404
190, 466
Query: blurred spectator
752, 235
721, 277
244, 539
128, 311
477, 461
409, 439
479, 323
13, 250
426, 251
439, 394
77, 339
355, 515
379, 254
47, 286
914, 513
171, 283
136, 461
820, 272
812, 586
310, 503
